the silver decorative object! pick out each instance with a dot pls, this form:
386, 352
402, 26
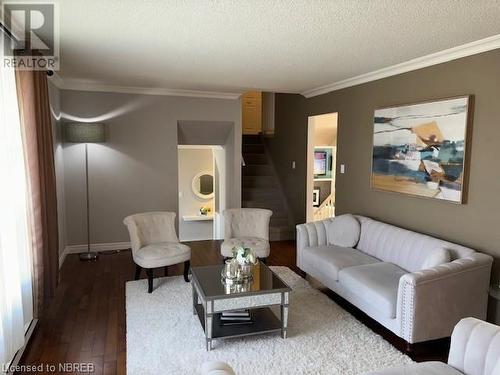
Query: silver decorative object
234, 273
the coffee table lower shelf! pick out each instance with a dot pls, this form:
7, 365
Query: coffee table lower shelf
264, 321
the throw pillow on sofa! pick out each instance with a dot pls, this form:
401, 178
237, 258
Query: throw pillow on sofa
437, 257
344, 231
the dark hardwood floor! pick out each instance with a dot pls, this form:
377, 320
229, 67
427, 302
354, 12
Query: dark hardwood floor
85, 322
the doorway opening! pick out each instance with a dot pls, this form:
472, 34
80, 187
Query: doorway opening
202, 192
321, 166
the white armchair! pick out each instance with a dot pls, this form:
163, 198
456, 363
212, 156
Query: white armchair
247, 227
475, 350
216, 368
155, 244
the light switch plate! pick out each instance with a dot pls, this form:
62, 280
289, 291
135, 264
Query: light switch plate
342, 168
293, 164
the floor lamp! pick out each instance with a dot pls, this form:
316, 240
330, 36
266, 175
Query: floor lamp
86, 133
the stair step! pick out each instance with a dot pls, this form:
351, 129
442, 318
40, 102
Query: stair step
251, 139
252, 193
259, 181
255, 159
253, 148
257, 170
261, 188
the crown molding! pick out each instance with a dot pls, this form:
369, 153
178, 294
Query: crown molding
450, 54
82, 85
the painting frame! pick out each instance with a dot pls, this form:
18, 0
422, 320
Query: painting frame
467, 140
316, 197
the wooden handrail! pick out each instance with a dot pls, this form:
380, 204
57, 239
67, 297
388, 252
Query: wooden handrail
325, 202
325, 210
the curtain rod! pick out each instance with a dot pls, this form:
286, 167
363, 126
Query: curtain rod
8, 33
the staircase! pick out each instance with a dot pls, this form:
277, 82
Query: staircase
261, 188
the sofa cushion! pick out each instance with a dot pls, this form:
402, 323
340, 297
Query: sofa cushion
344, 231
425, 368
376, 283
329, 260
411, 251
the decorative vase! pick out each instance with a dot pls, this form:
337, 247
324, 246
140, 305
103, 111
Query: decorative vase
246, 270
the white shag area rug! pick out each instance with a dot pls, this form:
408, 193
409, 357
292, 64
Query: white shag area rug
164, 337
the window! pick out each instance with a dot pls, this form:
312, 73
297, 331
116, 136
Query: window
16, 298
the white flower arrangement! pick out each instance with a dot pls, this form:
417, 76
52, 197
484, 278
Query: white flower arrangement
244, 255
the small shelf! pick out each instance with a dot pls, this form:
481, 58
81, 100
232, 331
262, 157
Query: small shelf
323, 179
198, 218
264, 321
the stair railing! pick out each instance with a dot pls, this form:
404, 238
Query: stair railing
325, 210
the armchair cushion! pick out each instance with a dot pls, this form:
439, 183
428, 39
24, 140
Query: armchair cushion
329, 260
259, 245
162, 254
474, 350
344, 231
151, 227
377, 283
247, 222
475, 347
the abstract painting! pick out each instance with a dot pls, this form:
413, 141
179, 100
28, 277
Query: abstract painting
420, 149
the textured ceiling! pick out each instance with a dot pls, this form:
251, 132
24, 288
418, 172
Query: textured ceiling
275, 45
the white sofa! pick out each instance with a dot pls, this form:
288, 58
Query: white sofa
475, 350
415, 285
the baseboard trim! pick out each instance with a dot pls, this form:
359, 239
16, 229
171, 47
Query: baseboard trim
19, 354
99, 247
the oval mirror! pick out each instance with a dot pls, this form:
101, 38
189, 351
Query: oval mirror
203, 185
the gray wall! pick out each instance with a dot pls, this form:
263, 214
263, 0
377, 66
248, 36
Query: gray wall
136, 169
474, 224
288, 144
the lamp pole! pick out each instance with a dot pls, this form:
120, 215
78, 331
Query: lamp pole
86, 133
89, 255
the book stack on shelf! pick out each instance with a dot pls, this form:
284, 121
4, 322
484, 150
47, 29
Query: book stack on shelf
235, 317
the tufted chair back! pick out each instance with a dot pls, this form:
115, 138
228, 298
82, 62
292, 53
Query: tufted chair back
151, 227
247, 222
475, 347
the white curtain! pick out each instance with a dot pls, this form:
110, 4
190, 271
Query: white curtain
16, 305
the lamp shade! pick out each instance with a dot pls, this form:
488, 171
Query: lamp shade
76, 132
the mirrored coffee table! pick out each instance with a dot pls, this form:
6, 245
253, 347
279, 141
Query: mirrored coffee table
266, 297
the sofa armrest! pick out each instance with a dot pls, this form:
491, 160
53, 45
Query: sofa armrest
311, 234
475, 345
432, 301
